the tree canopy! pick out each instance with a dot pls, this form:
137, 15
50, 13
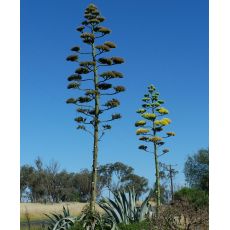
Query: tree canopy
196, 170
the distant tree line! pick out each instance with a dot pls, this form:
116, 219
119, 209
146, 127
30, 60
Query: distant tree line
41, 183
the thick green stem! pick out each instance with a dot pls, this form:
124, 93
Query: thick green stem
157, 185
158, 191
96, 130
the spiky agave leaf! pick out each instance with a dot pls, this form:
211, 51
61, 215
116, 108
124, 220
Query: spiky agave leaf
61, 221
123, 208
94, 220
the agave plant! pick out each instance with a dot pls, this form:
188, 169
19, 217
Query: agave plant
124, 209
61, 221
95, 221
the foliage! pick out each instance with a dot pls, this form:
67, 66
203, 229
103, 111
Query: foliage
124, 209
179, 216
61, 222
26, 175
138, 183
62, 186
48, 184
196, 197
118, 176
196, 170
95, 221
143, 225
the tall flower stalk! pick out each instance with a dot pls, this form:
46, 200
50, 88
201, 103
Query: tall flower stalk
151, 130
94, 84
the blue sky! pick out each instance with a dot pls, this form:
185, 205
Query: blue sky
163, 42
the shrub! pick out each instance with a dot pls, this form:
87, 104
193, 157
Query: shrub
135, 226
196, 197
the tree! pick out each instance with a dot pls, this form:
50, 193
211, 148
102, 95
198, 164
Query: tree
90, 105
26, 173
150, 128
82, 182
114, 175
105, 173
138, 183
118, 176
196, 170
52, 181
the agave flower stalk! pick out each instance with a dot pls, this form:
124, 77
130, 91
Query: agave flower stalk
90, 79
150, 129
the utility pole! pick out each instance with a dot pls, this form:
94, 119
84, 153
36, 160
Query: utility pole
171, 172
171, 181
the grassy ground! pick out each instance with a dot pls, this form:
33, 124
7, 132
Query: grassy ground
36, 210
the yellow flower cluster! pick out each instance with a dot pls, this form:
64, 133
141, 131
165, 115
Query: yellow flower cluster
142, 131
162, 110
162, 122
171, 134
149, 116
155, 139
140, 123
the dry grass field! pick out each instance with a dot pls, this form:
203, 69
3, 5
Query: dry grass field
36, 211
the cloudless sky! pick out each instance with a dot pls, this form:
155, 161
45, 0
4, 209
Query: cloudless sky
164, 42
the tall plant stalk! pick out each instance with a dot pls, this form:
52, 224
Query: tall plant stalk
92, 105
151, 129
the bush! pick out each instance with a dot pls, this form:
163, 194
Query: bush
196, 197
135, 226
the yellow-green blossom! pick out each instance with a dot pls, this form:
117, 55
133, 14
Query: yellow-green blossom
162, 122
165, 121
155, 139
162, 110
140, 123
141, 110
142, 131
157, 122
149, 116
